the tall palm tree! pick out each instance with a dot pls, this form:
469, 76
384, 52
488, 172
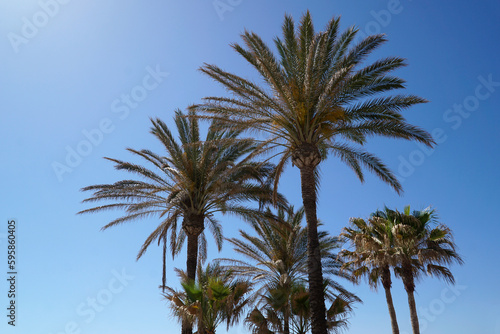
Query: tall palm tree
420, 245
317, 100
276, 262
216, 297
195, 180
372, 256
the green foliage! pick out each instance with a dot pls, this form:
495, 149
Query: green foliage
216, 297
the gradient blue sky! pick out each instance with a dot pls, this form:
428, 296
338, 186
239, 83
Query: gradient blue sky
66, 77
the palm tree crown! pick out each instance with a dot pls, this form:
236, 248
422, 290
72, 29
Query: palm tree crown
277, 254
419, 245
276, 262
318, 98
421, 240
194, 180
372, 256
216, 297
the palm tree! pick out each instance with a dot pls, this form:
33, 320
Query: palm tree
195, 180
269, 315
337, 314
276, 262
420, 246
215, 298
372, 256
317, 100
273, 313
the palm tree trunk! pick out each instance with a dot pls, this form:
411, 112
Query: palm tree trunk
413, 313
286, 326
409, 284
317, 296
164, 271
387, 283
191, 262
192, 256
193, 226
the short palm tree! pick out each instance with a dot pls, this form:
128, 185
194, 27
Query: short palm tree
372, 256
276, 262
216, 297
317, 100
420, 245
193, 181
337, 314
269, 317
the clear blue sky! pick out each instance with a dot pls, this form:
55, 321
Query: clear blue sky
65, 67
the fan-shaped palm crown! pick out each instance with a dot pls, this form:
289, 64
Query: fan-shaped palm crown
419, 242
372, 255
419, 245
216, 297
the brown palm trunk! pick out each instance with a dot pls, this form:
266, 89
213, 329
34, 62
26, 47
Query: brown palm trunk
191, 262
193, 226
192, 256
316, 290
387, 283
413, 312
187, 327
409, 284
164, 271
286, 321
